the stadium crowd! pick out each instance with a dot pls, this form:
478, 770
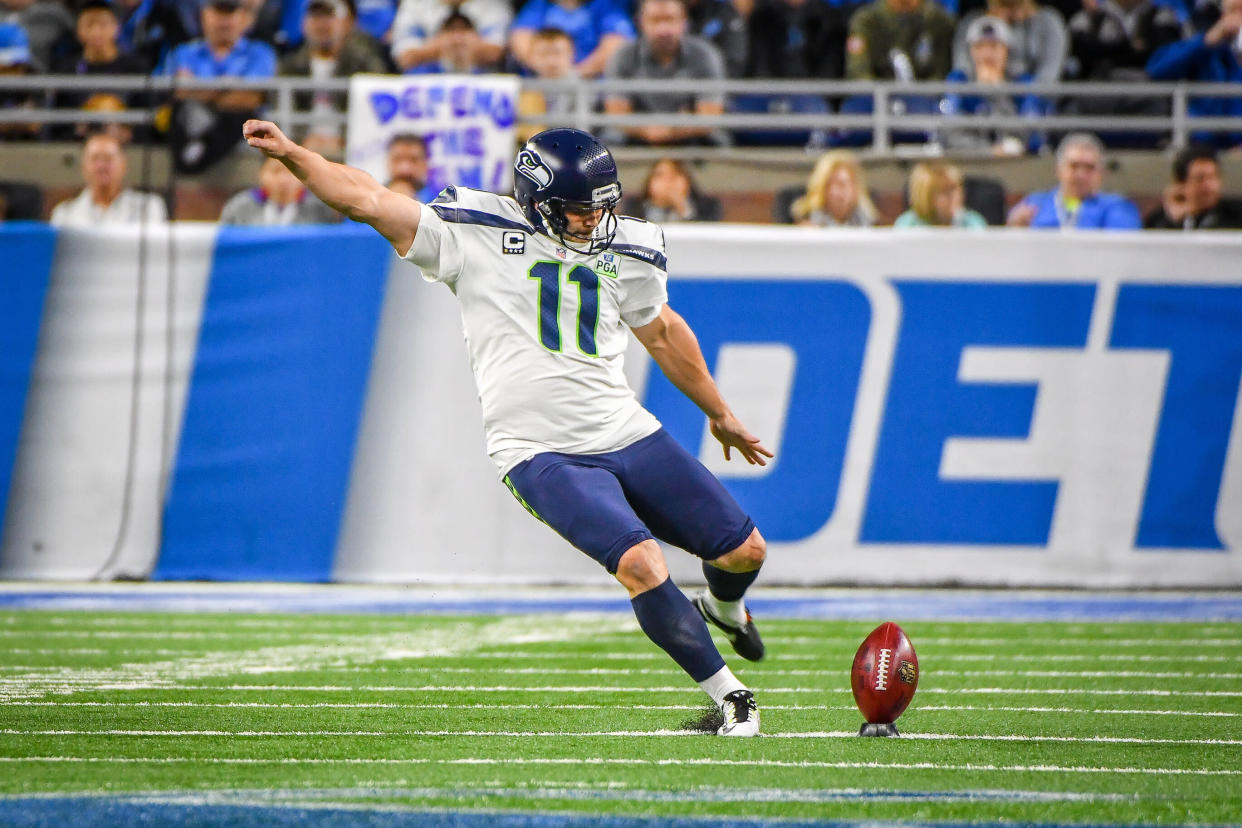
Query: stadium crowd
969, 41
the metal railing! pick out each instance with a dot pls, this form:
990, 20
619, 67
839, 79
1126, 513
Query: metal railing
884, 121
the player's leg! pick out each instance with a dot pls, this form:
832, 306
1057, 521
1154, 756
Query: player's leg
685, 505
585, 504
672, 622
728, 577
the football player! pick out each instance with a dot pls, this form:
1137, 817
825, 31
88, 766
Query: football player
548, 283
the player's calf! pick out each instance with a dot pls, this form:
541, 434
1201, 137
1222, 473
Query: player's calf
722, 605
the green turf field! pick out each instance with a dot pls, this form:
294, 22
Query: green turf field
1114, 723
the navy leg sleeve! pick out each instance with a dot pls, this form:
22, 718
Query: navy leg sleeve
728, 586
671, 621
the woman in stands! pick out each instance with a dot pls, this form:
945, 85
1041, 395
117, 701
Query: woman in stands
937, 199
836, 194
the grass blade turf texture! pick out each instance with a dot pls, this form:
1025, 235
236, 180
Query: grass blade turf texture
1115, 723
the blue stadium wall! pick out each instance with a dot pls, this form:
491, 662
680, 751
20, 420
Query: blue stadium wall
995, 408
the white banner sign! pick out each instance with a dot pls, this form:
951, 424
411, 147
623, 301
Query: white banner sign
467, 120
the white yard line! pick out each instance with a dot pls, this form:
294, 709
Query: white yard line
561, 789
1086, 711
510, 706
38, 685
710, 761
652, 656
682, 688
556, 734
1018, 640
672, 671
336, 651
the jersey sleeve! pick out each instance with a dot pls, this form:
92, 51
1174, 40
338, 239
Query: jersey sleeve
437, 248
644, 274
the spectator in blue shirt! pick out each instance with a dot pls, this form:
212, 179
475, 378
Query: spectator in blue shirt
224, 52
152, 28
1211, 56
373, 18
207, 122
598, 29
1077, 203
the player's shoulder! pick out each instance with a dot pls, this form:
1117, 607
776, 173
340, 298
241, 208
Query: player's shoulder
642, 240
464, 205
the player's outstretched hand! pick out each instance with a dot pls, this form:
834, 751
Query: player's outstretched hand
733, 435
266, 136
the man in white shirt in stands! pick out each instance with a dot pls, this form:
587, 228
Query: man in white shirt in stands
105, 200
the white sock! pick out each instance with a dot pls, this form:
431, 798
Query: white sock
720, 684
732, 611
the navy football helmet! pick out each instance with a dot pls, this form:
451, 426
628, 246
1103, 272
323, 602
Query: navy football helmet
561, 169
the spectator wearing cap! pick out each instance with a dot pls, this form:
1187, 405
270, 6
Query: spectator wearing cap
415, 32
598, 28
105, 199
207, 123
989, 39
1077, 203
331, 48
279, 200
48, 26
664, 51
1038, 44
1193, 200
459, 41
15, 59
1211, 55
100, 54
899, 40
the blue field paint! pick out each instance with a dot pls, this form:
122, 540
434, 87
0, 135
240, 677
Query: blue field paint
834, 604
53, 812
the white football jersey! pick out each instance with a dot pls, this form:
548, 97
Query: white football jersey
545, 326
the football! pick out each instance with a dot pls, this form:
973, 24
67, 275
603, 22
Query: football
885, 674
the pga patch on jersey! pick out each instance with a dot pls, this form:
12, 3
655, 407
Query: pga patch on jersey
608, 264
513, 242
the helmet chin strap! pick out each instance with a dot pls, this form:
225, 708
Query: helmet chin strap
601, 236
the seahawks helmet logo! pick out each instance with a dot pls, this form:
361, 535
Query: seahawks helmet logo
531, 165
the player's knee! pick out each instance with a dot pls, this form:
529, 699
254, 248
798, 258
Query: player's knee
642, 567
746, 558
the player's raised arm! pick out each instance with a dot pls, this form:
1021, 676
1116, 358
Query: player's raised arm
675, 348
345, 189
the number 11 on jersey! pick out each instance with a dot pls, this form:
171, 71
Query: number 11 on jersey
548, 274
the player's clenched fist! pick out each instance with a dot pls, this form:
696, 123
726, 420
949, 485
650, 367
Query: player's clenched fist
266, 136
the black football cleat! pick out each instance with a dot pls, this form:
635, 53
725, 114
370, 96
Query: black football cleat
745, 639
